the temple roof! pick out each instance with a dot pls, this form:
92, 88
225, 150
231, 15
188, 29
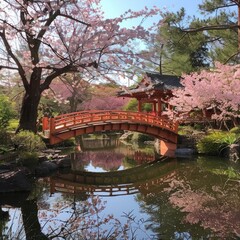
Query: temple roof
164, 81
154, 81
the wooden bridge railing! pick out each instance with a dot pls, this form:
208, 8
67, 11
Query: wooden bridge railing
72, 120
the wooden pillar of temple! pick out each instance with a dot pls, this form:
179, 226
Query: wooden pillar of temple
159, 107
155, 108
139, 105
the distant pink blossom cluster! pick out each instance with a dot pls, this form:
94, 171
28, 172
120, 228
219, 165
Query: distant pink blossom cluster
104, 103
217, 90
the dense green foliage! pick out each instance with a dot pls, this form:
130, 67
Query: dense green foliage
235, 130
13, 124
27, 141
186, 44
217, 141
223, 44
5, 137
28, 145
28, 159
141, 138
181, 53
6, 111
132, 105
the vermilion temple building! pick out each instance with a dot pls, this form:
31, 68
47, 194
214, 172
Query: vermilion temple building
154, 88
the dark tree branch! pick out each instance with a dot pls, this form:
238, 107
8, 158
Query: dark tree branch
8, 67
221, 7
11, 54
231, 57
76, 20
59, 71
213, 27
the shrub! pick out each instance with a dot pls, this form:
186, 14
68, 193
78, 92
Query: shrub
235, 130
28, 159
141, 138
28, 144
5, 137
215, 142
6, 111
27, 141
185, 130
13, 124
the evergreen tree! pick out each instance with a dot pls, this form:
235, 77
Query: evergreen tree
221, 27
181, 52
187, 44
219, 24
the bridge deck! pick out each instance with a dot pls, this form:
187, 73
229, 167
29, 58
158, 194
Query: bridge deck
67, 125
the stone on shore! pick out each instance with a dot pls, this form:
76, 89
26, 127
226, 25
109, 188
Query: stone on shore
15, 181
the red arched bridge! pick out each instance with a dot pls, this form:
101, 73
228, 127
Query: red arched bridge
69, 125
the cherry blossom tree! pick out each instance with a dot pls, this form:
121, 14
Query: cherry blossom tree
43, 39
69, 89
217, 90
104, 97
76, 94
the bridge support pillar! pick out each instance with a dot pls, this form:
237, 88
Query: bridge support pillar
167, 148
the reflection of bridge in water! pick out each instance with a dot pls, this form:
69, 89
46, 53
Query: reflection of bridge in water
125, 182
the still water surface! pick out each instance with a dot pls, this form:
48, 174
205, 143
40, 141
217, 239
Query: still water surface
124, 192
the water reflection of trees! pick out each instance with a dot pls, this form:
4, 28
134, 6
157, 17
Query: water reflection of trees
99, 141
196, 199
110, 160
84, 221
77, 216
20, 226
4, 217
106, 160
208, 204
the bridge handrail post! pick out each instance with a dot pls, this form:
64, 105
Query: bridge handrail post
52, 125
45, 123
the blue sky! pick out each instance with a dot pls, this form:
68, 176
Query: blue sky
114, 8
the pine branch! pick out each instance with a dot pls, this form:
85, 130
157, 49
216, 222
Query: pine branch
213, 27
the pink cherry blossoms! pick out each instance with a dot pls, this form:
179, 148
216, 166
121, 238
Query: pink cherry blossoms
216, 90
67, 33
42, 40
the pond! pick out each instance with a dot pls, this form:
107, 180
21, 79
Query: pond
119, 191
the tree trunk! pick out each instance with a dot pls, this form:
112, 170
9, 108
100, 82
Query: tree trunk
30, 221
29, 111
